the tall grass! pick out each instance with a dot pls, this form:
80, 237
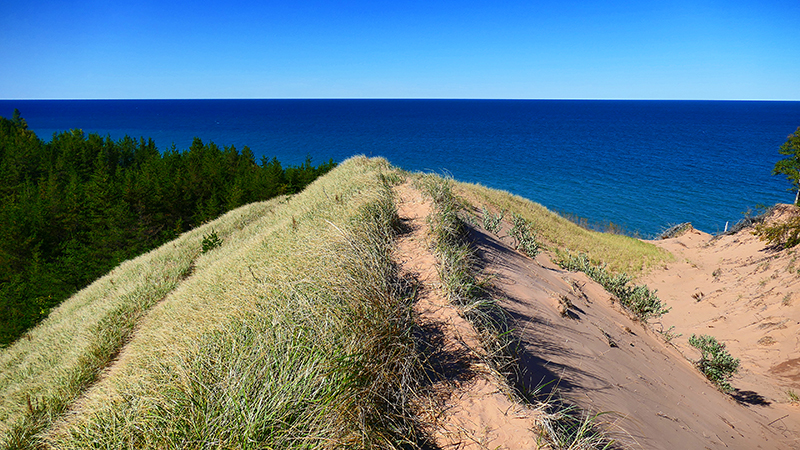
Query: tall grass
295, 333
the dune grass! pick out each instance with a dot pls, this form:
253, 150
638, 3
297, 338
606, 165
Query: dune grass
292, 331
560, 424
619, 252
295, 333
50, 365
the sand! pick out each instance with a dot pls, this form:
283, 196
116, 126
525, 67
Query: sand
579, 343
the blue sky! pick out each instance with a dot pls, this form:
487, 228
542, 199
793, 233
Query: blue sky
684, 49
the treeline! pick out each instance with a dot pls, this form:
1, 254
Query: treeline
73, 208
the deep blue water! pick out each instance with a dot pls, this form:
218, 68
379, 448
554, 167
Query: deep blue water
642, 164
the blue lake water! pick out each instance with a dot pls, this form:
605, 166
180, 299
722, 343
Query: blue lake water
642, 164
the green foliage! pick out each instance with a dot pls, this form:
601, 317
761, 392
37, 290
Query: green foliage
491, 222
638, 299
790, 166
75, 207
211, 241
786, 234
715, 362
523, 233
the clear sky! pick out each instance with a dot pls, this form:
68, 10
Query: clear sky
683, 49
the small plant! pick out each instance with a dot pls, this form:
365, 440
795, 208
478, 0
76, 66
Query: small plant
697, 296
675, 231
785, 235
638, 299
716, 273
715, 362
211, 241
793, 397
523, 232
491, 222
670, 334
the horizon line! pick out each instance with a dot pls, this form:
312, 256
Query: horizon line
402, 98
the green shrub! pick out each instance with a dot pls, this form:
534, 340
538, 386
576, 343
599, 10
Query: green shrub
491, 222
522, 231
211, 241
638, 299
715, 362
785, 235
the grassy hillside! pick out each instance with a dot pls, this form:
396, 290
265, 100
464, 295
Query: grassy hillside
295, 333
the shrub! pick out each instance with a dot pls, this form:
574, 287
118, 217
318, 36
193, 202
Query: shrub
715, 362
785, 235
211, 241
522, 231
675, 231
491, 222
638, 299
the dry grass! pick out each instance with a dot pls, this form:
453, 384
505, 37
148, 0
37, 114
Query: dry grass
621, 253
46, 369
295, 333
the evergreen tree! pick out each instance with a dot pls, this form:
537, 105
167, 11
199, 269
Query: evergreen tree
73, 208
790, 166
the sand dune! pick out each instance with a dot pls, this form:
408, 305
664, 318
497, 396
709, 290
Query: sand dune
579, 342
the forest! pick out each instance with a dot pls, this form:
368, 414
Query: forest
73, 208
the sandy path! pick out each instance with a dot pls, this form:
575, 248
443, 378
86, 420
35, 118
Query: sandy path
472, 411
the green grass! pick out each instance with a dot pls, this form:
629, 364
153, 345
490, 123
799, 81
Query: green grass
295, 333
282, 324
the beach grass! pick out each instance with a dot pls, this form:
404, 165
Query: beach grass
282, 324
294, 333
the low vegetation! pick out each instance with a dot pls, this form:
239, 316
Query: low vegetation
618, 252
783, 235
639, 300
284, 324
715, 362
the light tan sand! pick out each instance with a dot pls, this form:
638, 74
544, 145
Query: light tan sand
747, 296
579, 343
603, 361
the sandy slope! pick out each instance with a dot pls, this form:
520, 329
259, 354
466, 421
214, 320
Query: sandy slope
606, 362
746, 295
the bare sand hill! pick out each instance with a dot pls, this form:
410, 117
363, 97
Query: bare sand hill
578, 342
747, 295
604, 361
